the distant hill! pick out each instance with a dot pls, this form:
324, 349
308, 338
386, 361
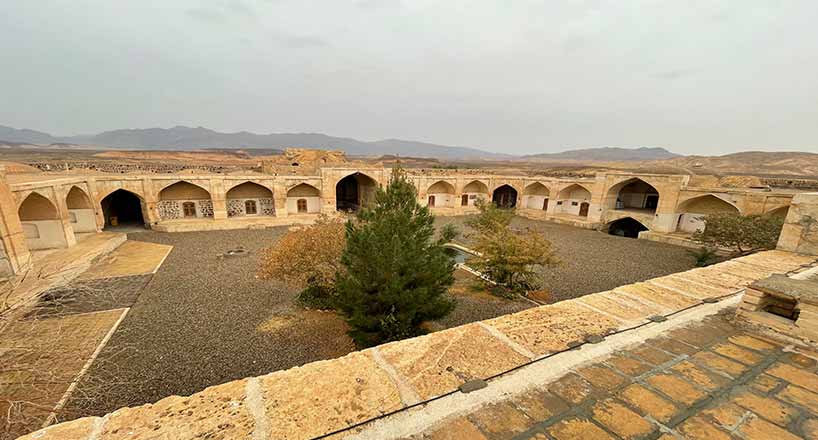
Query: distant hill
783, 163
607, 154
190, 138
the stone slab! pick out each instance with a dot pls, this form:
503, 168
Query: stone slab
130, 258
781, 285
321, 397
219, 412
439, 362
551, 328
657, 294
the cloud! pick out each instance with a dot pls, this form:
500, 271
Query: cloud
674, 74
378, 4
221, 12
302, 42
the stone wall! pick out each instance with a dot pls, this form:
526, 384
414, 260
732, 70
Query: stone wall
800, 232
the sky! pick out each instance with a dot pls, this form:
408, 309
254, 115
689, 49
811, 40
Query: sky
525, 77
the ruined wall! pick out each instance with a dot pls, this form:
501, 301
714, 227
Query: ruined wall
800, 232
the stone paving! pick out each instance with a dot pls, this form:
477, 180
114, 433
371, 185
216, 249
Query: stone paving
711, 380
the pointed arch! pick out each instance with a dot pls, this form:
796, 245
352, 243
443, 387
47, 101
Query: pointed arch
249, 198
441, 187
692, 211
41, 222
633, 193
354, 191
122, 208
706, 204
184, 199
37, 207
535, 196
78, 199
536, 189
504, 196
81, 214
476, 187
248, 188
573, 200
303, 199
183, 190
574, 191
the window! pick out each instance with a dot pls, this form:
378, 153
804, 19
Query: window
464, 200
72, 217
302, 205
574, 203
250, 207
432, 201
189, 209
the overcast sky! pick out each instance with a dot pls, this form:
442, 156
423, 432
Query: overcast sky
697, 77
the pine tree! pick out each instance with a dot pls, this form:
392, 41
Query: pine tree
396, 270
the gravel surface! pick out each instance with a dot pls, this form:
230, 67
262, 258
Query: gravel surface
90, 296
595, 261
204, 319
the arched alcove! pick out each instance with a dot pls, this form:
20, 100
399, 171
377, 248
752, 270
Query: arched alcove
473, 191
633, 194
41, 223
80, 211
574, 199
440, 194
184, 200
303, 199
535, 196
692, 212
249, 198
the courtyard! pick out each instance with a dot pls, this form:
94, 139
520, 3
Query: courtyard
203, 318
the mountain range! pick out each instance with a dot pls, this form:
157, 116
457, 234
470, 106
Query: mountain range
195, 138
607, 154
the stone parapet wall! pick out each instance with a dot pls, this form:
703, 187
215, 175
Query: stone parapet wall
331, 396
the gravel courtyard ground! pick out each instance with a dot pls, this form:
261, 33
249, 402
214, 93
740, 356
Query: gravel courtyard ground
204, 319
594, 261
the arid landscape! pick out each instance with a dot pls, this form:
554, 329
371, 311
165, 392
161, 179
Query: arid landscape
408, 220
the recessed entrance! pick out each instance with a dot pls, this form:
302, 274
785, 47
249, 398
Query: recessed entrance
626, 227
505, 196
354, 191
122, 208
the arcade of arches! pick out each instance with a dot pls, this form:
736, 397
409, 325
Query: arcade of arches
53, 212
